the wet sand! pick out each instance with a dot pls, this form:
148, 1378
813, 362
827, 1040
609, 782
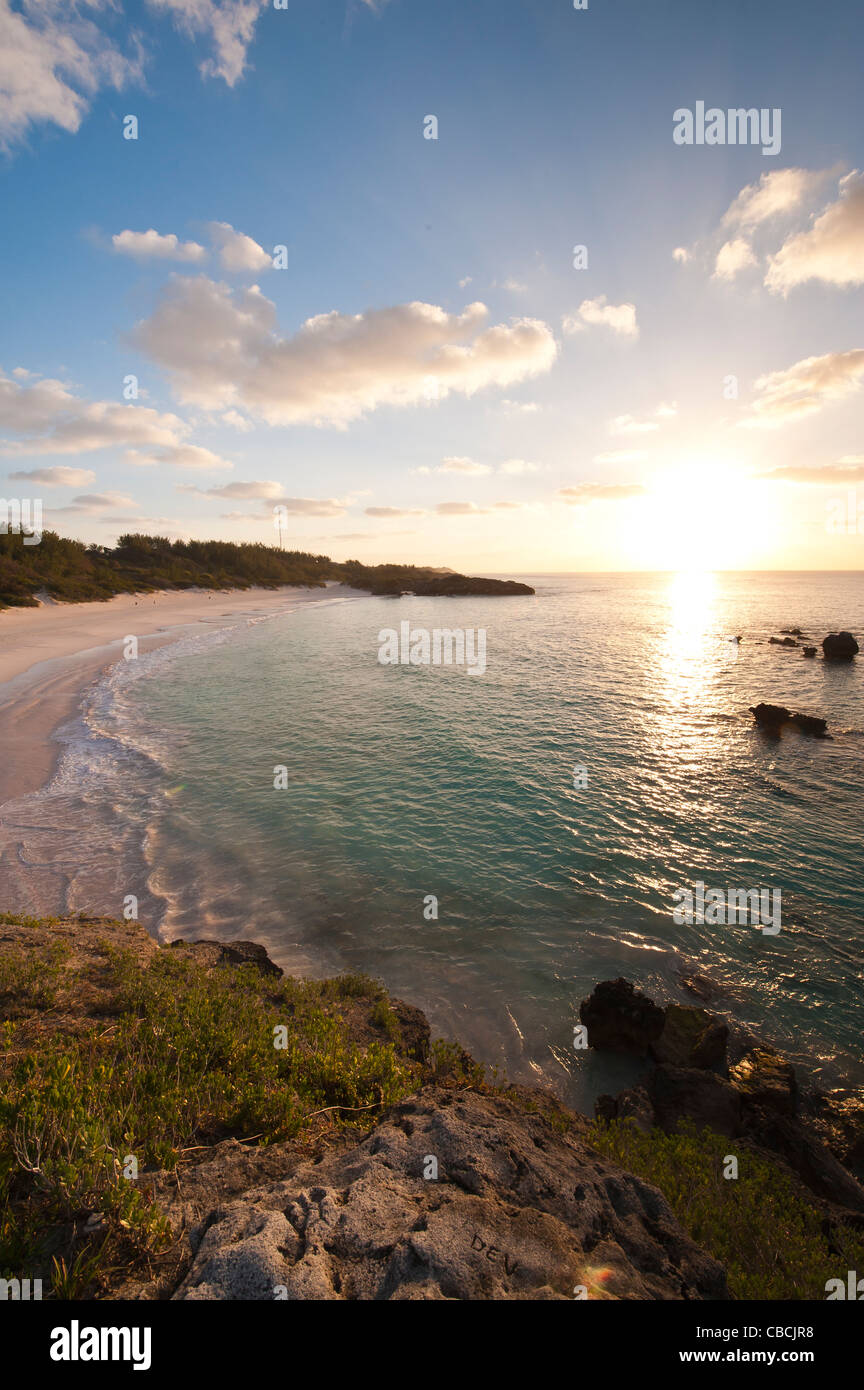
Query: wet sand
51, 654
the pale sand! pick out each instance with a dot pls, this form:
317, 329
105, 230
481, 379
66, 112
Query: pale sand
50, 655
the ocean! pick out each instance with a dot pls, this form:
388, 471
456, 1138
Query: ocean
275, 781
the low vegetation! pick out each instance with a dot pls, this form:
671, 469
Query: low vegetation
106, 1057
72, 572
773, 1242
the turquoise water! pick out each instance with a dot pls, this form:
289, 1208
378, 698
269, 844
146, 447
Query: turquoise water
408, 781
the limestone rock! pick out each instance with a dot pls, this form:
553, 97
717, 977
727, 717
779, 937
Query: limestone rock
519, 1210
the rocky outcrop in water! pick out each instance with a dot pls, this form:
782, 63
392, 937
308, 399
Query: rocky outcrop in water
839, 646
756, 1098
774, 717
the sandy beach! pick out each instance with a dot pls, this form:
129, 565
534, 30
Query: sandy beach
50, 655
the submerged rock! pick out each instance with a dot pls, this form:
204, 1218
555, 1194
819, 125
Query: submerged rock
782, 642
519, 1210
839, 646
809, 651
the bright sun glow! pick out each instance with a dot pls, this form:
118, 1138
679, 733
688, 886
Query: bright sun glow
698, 517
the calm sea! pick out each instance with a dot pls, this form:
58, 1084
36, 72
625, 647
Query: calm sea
405, 783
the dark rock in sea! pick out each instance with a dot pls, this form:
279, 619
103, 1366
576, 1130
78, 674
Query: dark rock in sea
619, 1019
839, 646
701, 1096
690, 1038
520, 1210
792, 631
809, 651
810, 724
782, 641
763, 1078
770, 716
773, 717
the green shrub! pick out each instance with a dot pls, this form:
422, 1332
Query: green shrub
760, 1226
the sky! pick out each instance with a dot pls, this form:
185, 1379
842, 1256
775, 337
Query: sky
439, 283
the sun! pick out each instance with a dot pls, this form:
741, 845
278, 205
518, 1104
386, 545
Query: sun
701, 515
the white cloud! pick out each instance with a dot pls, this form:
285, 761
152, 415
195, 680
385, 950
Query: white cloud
188, 456
60, 423
236, 490
732, 258
681, 255
520, 407
628, 424
516, 467
151, 245
621, 456
53, 61
97, 502
849, 470
779, 192
236, 421
57, 55
583, 493
223, 348
805, 387
621, 318
460, 509
228, 24
831, 250
387, 512
238, 253
462, 465
56, 477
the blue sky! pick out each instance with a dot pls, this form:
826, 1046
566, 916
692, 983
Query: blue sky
581, 419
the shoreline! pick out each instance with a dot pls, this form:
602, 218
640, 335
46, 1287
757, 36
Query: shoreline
51, 655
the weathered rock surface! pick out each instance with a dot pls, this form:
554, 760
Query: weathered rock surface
818, 1140
839, 646
838, 1118
212, 953
619, 1019
687, 1092
762, 1078
519, 1211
